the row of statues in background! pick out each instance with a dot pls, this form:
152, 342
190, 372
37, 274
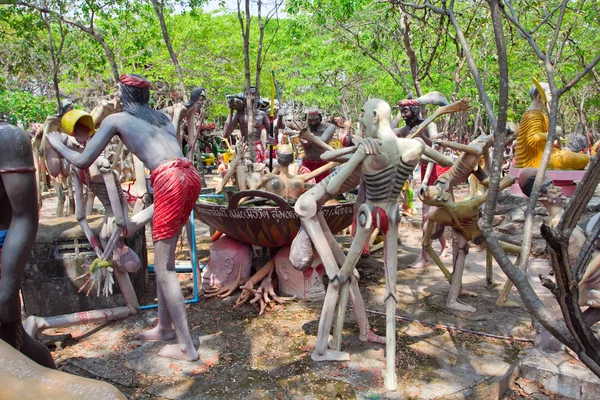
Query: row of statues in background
383, 159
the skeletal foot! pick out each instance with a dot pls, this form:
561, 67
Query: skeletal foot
508, 304
157, 334
460, 306
179, 352
330, 355
31, 327
390, 383
420, 263
371, 337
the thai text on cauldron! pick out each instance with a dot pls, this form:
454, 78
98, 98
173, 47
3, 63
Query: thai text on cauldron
258, 213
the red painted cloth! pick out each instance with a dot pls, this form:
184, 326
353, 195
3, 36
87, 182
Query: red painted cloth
382, 223
176, 186
435, 172
260, 152
314, 164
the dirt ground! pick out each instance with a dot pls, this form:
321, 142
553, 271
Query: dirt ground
440, 353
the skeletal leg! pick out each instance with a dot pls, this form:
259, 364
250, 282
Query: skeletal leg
391, 299
423, 261
358, 304
489, 273
60, 197
33, 325
315, 231
503, 298
127, 290
429, 225
459, 265
363, 232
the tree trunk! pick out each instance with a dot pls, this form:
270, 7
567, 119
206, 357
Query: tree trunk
54, 62
250, 106
161, 18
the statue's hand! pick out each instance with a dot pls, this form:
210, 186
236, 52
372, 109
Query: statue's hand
54, 139
371, 145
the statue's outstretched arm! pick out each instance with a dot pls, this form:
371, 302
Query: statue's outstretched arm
99, 141
436, 156
346, 171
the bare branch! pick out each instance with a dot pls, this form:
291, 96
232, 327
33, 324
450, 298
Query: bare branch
583, 73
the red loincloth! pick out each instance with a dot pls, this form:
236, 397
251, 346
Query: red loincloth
176, 186
435, 173
314, 164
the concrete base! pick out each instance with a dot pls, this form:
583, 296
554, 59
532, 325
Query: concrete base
61, 250
565, 179
561, 374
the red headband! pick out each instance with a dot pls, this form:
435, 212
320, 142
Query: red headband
134, 81
408, 102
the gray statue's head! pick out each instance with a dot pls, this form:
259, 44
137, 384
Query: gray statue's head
376, 113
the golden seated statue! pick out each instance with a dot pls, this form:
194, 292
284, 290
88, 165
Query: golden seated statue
533, 132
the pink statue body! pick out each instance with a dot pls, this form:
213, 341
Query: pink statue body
305, 285
227, 258
150, 135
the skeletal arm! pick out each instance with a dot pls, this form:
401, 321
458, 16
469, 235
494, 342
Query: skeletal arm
436, 156
475, 150
80, 214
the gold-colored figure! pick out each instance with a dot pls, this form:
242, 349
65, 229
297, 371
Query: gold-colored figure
533, 131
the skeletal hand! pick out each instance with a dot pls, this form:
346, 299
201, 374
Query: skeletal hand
265, 294
100, 271
247, 290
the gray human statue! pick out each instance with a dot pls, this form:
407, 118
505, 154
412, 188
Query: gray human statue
240, 118
18, 228
150, 135
318, 131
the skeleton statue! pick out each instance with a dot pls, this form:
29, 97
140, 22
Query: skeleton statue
150, 135
114, 257
410, 112
18, 228
386, 163
462, 217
